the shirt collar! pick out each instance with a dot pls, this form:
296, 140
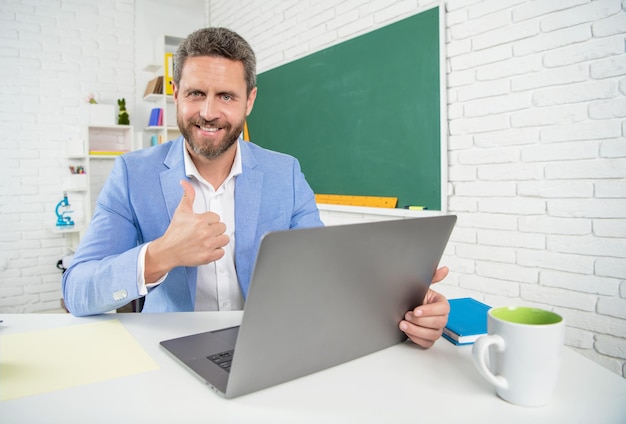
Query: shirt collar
192, 171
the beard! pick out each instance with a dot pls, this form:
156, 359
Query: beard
207, 149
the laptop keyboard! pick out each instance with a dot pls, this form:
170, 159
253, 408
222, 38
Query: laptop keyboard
223, 359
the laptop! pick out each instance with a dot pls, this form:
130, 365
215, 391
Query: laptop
319, 297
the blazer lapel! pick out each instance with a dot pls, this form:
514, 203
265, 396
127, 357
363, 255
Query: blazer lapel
170, 178
247, 208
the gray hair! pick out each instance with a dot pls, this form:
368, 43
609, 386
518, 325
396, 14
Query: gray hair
220, 42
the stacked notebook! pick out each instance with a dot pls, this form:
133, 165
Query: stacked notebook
467, 321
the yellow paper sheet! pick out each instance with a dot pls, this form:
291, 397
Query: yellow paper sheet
47, 360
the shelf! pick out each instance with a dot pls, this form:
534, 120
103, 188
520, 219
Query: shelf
111, 127
118, 138
153, 68
82, 188
159, 97
106, 155
159, 67
171, 42
153, 97
76, 228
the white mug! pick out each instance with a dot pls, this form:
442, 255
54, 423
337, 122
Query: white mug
524, 347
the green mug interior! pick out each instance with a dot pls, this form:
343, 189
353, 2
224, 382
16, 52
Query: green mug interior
525, 315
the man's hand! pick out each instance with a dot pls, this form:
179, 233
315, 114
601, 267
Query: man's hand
424, 324
190, 240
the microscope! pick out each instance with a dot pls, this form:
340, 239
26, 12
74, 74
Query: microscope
63, 218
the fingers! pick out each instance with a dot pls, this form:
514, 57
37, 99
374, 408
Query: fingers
217, 232
440, 274
210, 237
212, 218
435, 304
193, 239
424, 331
421, 336
424, 324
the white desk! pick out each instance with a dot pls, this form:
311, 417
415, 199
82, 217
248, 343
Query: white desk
402, 383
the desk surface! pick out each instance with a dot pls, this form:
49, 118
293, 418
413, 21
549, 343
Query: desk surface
403, 382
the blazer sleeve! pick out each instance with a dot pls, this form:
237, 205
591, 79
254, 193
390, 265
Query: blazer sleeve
305, 211
103, 273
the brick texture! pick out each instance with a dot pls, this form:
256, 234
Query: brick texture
53, 55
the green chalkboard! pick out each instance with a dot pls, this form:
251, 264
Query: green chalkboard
362, 117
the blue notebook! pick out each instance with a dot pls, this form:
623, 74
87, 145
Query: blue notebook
467, 321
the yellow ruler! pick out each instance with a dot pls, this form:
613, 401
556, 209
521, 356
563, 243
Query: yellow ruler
370, 201
246, 132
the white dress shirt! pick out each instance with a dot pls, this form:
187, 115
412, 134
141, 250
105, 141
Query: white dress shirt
217, 287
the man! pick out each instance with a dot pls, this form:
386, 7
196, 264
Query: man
180, 224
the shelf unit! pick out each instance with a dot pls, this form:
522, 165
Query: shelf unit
169, 130
94, 154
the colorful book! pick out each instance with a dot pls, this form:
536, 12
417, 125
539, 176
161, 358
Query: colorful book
467, 321
154, 117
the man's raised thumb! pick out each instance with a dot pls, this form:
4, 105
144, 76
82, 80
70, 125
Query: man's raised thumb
189, 195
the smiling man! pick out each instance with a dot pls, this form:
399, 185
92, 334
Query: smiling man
180, 224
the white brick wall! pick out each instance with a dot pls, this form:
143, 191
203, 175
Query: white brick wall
536, 149
53, 54
540, 94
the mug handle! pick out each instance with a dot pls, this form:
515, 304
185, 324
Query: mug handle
479, 354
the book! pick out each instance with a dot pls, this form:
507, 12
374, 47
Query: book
150, 87
158, 89
467, 321
154, 117
154, 86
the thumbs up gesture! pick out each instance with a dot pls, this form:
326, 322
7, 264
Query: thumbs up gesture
190, 240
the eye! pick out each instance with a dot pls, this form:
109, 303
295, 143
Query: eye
227, 97
196, 94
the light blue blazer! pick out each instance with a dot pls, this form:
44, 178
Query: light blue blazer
136, 206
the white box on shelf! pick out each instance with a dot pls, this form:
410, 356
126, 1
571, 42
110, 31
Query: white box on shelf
75, 182
109, 140
101, 114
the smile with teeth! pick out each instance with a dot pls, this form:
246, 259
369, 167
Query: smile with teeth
209, 129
